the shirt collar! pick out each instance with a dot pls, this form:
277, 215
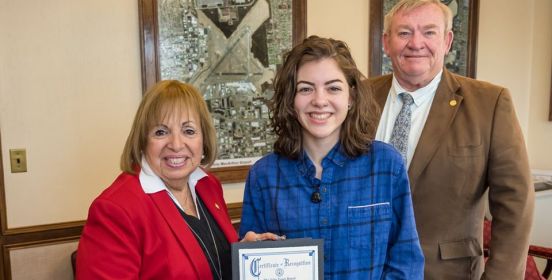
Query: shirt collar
335, 155
151, 183
420, 95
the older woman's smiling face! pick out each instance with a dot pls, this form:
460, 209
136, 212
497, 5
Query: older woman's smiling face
175, 147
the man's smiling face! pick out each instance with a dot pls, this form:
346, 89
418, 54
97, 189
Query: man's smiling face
417, 43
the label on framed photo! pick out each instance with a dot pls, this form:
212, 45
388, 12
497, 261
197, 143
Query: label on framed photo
291, 259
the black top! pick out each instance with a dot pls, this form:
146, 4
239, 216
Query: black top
201, 231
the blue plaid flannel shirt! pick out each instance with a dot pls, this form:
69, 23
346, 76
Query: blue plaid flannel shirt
365, 214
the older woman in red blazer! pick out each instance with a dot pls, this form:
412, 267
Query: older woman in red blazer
164, 217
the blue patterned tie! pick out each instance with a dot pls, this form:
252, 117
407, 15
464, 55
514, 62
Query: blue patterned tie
399, 136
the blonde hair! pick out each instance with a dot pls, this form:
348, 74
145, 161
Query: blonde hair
164, 99
409, 5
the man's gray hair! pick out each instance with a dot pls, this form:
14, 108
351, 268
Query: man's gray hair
409, 5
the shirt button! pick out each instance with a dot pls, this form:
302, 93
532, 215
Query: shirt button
326, 257
324, 221
324, 189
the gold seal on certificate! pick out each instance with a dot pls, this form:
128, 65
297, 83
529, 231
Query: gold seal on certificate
290, 259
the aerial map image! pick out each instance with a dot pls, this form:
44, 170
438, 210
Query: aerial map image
229, 50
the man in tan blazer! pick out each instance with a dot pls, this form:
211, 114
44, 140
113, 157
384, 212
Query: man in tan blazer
464, 139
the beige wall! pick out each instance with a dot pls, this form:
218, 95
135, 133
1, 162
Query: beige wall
505, 50
540, 129
344, 20
70, 83
69, 86
515, 50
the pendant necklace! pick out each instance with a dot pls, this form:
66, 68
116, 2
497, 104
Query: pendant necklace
182, 207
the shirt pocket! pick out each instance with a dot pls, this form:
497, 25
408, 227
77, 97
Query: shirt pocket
369, 225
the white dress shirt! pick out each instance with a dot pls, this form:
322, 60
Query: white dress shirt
423, 98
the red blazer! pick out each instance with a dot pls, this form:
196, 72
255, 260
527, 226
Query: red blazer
133, 235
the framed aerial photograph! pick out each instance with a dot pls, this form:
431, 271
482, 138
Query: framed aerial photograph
229, 50
463, 53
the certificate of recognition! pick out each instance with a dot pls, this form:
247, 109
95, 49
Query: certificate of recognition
291, 259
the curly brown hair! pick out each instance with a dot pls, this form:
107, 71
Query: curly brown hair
358, 129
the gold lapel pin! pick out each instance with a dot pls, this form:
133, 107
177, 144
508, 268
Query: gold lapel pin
453, 103
217, 206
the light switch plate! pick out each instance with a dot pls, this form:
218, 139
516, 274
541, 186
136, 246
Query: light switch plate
18, 159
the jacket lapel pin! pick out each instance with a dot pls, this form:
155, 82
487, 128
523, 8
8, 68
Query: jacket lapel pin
217, 206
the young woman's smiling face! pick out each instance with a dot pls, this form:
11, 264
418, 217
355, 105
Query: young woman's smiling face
322, 99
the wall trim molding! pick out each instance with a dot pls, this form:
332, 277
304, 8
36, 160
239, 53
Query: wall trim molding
234, 210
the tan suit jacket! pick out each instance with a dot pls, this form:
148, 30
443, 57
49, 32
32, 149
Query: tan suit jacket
471, 142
